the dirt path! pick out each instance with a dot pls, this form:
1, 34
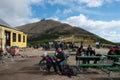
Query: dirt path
26, 68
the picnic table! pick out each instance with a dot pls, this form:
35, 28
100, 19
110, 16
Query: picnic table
88, 57
113, 68
113, 56
117, 63
93, 58
92, 65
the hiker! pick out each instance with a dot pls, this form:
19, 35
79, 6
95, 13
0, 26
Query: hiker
59, 58
80, 52
117, 52
49, 62
111, 51
90, 52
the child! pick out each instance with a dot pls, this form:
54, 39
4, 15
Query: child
49, 62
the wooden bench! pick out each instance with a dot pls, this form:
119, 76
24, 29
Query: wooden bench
73, 50
52, 56
113, 57
42, 66
94, 65
117, 63
93, 58
110, 70
114, 68
98, 65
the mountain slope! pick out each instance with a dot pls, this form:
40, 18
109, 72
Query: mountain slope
50, 29
38, 28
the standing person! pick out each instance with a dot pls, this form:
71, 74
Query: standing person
49, 62
59, 58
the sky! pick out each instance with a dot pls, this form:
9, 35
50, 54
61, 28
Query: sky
101, 17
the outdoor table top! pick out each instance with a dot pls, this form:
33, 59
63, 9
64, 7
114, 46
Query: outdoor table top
117, 63
53, 55
89, 57
112, 55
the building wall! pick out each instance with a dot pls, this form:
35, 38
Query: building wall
17, 43
2, 38
21, 44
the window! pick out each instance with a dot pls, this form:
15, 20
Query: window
23, 38
14, 37
19, 38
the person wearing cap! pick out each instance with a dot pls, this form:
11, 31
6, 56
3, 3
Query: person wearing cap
49, 62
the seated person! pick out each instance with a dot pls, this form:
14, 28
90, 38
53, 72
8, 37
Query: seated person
59, 58
96, 60
117, 52
49, 62
89, 52
111, 51
79, 52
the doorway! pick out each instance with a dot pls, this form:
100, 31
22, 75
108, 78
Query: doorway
7, 34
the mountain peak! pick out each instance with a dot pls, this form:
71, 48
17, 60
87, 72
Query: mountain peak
55, 29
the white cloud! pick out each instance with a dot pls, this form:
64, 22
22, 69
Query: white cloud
36, 1
111, 36
67, 11
54, 18
58, 11
53, 2
17, 12
98, 27
92, 3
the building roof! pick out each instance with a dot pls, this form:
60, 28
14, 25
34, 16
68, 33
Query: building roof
3, 23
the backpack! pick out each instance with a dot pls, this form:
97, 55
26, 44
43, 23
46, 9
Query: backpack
69, 71
74, 71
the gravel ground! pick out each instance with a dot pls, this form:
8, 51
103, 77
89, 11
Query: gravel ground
25, 66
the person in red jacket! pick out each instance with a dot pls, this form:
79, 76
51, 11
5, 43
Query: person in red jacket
111, 51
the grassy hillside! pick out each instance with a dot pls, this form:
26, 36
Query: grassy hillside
50, 30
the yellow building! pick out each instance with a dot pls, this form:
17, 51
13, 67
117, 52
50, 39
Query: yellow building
11, 36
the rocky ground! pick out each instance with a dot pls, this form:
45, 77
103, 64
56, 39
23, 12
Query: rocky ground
25, 66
